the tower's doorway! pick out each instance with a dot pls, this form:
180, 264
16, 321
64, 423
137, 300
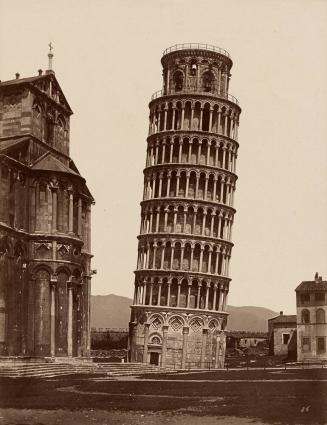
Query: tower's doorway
154, 359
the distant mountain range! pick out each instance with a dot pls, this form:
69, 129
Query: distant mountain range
112, 311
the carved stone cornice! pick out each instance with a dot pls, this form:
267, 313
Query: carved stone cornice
192, 134
186, 203
213, 99
223, 281
184, 238
188, 168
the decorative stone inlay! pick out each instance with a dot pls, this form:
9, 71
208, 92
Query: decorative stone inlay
176, 323
196, 325
156, 323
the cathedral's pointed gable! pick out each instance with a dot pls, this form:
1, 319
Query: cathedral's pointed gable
45, 83
48, 84
48, 162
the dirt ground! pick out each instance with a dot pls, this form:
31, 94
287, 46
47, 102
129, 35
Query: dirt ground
213, 398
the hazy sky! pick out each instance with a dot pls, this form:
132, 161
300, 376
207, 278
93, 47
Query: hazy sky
107, 60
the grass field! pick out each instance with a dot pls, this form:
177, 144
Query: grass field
216, 397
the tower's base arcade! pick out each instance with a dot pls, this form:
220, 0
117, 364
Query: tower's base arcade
177, 339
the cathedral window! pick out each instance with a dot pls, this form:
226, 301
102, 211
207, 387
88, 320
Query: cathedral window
36, 110
61, 125
49, 129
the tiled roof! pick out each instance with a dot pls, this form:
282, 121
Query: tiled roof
21, 80
49, 163
313, 285
284, 318
10, 143
28, 80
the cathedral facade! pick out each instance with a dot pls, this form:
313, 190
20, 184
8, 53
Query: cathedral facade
182, 279
45, 227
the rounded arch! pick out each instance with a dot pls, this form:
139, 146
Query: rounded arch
208, 79
156, 318
155, 339
63, 269
178, 80
39, 267
176, 323
6, 245
196, 324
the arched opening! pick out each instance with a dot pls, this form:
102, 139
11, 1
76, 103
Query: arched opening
187, 257
177, 256
173, 293
42, 313
206, 117
194, 294
192, 185
166, 264
178, 80
170, 111
196, 258
175, 150
187, 116
193, 67
189, 220
208, 80
183, 294
194, 151
179, 220
198, 222
185, 148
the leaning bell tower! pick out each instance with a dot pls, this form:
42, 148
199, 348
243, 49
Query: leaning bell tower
182, 278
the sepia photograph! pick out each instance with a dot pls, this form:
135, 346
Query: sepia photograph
163, 212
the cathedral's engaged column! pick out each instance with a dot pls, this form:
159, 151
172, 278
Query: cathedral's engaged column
184, 349
70, 319
71, 212
3, 282
52, 317
204, 346
132, 341
146, 341
30, 316
164, 344
54, 208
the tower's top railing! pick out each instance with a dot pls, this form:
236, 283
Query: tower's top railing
200, 46
162, 93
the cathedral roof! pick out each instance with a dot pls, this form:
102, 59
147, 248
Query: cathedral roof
38, 83
12, 143
48, 162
